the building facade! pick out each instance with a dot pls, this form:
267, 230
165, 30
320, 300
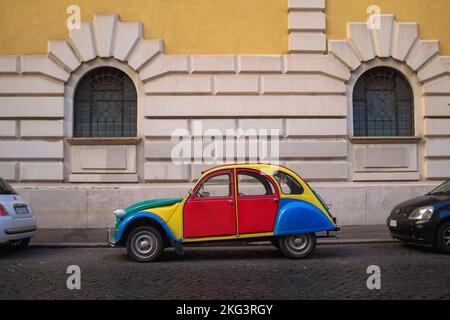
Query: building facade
87, 127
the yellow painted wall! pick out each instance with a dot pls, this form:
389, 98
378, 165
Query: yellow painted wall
206, 26
432, 16
187, 26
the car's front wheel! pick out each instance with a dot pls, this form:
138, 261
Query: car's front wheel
298, 246
443, 238
145, 244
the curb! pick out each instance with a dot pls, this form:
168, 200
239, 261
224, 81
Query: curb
337, 242
73, 245
76, 245
356, 241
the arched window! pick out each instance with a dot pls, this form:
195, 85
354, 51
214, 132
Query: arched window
383, 104
105, 105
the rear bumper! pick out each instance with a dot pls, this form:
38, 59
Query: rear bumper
14, 231
16, 228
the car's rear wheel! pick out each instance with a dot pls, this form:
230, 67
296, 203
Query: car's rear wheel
298, 246
145, 244
443, 238
19, 244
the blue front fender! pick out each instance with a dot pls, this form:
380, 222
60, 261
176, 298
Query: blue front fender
148, 215
298, 217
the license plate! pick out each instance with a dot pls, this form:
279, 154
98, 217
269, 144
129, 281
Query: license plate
21, 210
393, 223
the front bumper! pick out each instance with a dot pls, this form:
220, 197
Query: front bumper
414, 231
111, 238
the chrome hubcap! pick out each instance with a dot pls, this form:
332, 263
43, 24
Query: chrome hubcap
298, 242
144, 244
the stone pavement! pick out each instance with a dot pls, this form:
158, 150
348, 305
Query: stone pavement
252, 272
98, 237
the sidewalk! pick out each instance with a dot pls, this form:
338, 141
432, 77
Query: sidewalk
98, 237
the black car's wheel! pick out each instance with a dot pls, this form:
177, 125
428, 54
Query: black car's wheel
145, 244
443, 238
20, 244
298, 246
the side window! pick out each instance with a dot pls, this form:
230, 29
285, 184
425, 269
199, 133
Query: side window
254, 184
288, 184
217, 186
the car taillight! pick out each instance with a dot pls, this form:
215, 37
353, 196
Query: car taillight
334, 220
3, 211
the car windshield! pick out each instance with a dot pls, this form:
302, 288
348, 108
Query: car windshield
443, 189
5, 188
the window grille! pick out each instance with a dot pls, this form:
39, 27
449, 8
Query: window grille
105, 105
383, 104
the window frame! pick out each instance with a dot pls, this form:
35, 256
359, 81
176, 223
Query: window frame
265, 176
400, 75
293, 178
210, 176
129, 82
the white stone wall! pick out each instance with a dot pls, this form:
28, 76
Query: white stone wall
31, 113
397, 44
307, 24
302, 96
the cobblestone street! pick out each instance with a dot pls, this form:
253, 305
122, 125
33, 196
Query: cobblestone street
257, 272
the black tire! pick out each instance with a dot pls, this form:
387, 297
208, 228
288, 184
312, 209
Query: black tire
298, 246
145, 244
443, 238
19, 244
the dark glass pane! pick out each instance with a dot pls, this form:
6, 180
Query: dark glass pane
383, 104
359, 115
105, 105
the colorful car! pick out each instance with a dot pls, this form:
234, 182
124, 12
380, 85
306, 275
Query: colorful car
230, 202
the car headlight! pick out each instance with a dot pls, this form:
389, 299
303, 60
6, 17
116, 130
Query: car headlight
119, 213
423, 213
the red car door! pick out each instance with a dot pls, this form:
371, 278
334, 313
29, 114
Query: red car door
257, 202
211, 209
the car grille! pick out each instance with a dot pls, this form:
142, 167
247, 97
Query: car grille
399, 214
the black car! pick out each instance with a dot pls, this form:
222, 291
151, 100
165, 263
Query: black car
424, 220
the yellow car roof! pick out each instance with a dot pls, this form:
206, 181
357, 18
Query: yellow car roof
268, 168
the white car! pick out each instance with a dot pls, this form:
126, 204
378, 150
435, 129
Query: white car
17, 221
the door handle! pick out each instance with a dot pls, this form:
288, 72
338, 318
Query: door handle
230, 201
275, 199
